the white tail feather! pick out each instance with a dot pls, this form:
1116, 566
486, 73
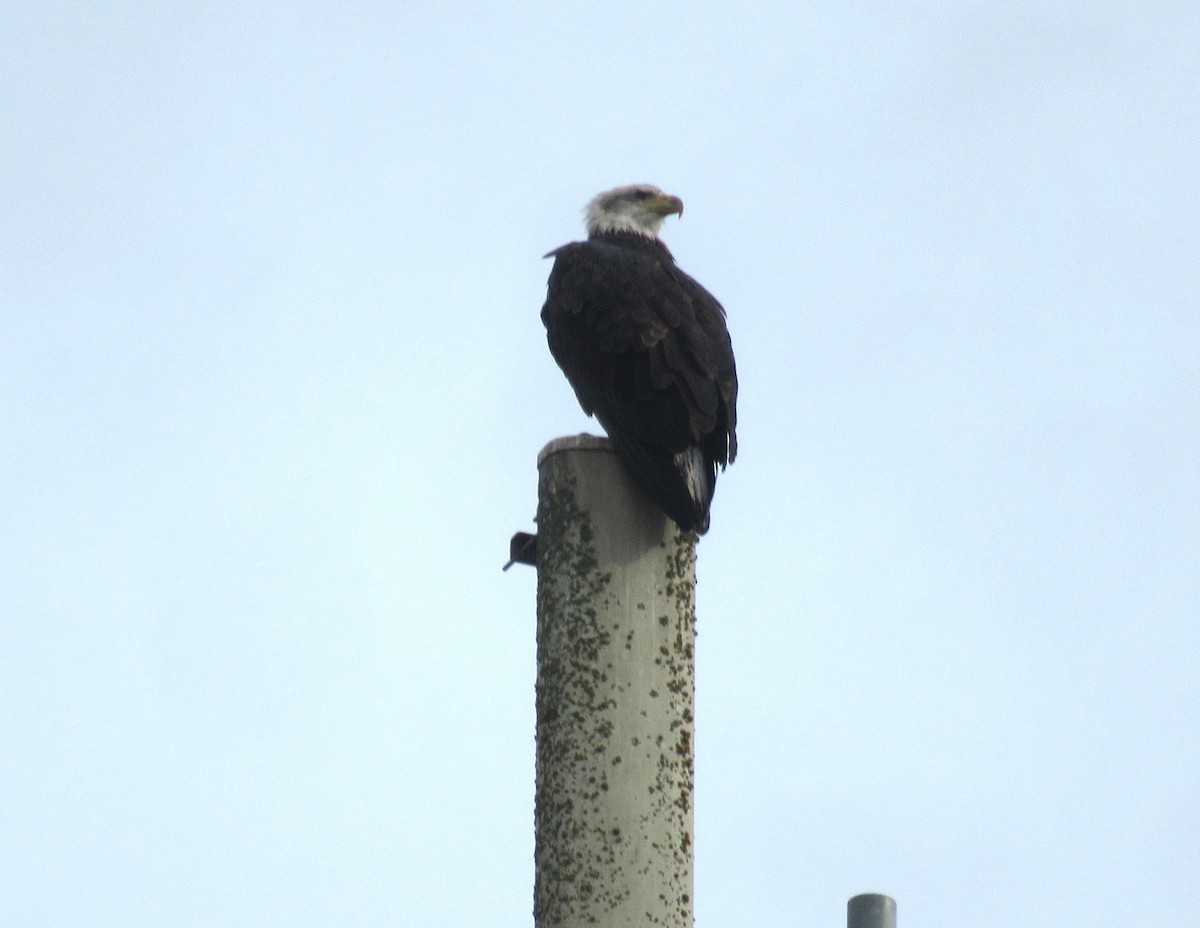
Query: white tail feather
693, 468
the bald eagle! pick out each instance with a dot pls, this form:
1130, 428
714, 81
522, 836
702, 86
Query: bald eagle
646, 349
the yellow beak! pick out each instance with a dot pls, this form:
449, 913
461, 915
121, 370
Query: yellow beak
667, 204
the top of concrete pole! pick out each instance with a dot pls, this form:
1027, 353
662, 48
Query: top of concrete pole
581, 442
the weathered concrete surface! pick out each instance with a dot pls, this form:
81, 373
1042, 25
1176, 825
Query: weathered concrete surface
615, 698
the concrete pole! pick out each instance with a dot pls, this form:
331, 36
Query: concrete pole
615, 696
871, 910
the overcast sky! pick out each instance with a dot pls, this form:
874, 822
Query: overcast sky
273, 383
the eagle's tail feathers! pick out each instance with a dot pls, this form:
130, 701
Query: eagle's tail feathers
681, 484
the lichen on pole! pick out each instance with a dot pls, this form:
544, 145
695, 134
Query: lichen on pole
615, 698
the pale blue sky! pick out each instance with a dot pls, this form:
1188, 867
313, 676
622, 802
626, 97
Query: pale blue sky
272, 384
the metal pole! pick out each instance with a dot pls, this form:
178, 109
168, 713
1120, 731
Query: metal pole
871, 910
615, 697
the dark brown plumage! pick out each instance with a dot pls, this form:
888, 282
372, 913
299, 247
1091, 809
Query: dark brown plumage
647, 351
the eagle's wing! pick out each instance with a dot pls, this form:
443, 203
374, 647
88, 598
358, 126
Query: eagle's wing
645, 347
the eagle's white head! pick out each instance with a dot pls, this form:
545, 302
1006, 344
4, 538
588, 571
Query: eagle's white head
639, 208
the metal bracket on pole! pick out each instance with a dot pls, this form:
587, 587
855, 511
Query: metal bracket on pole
522, 549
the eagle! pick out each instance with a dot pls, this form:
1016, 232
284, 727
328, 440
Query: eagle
646, 349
